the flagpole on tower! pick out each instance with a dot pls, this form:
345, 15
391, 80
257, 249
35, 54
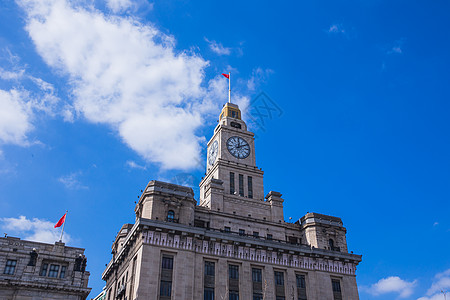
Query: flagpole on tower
229, 87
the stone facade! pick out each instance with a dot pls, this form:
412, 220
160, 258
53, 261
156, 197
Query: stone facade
235, 244
37, 271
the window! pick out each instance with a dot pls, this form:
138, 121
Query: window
336, 286
53, 271
292, 240
241, 232
227, 229
279, 278
255, 234
301, 283
250, 186
208, 294
233, 271
209, 268
257, 296
10, 267
232, 189
234, 295
233, 114
241, 185
280, 298
44, 270
63, 272
301, 286
256, 275
235, 125
331, 244
166, 288
170, 216
269, 237
167, 262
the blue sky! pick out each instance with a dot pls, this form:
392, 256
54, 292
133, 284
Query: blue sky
99, 97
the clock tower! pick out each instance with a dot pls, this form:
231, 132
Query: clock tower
233, 183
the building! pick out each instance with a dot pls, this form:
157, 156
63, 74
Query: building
235, 244
33, 271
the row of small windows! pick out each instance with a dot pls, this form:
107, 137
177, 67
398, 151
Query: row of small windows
47, 270
241, 185
233, 275
233, 284
53, 270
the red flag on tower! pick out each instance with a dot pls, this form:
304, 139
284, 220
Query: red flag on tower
226, 75
61, 221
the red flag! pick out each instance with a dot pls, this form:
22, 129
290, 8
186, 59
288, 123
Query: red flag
226, 75
61, 221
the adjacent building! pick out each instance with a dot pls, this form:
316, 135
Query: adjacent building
234, 244
38, 271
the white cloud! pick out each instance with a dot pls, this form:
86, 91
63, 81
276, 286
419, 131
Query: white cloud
33, 229
133, 165
119, 5
259, 75
438, 296
129, 76
218, 48
19, 106
15, 117
393, 284
441, 283
11, 75
72, 182
397, 48
336, 28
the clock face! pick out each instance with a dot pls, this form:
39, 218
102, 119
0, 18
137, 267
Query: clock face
238, 147
212, 154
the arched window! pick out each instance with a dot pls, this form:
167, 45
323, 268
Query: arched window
171, 216
331, 244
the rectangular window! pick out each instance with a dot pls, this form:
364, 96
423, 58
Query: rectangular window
241, 232
250, 186
233, 271
208, 294
256, 275
53, 271
301, 283
234, 295
209, 268
44, 270
166, 288
257, 296
301, 286
292, 240
167, 262
336, 286
279, 278
63, 272
227, 229
10, 267
280, 298
255, 234
269, 237
241, 185
232, 189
